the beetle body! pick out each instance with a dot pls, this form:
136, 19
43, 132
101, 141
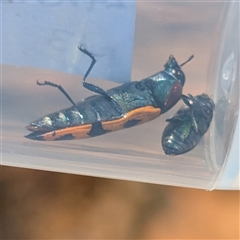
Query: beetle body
121, 107
187, 127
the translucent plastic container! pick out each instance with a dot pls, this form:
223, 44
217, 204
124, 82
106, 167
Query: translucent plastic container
224, 139
160, 29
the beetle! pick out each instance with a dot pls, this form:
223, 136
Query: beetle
121, 107
187, 127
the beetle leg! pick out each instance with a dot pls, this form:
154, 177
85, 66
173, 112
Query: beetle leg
188, 100
89, 86
59, 87
175, 119
194, 121
94, 88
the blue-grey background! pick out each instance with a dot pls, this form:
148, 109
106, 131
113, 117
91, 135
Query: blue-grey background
45, 34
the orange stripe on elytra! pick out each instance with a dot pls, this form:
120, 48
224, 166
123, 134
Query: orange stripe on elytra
142, 115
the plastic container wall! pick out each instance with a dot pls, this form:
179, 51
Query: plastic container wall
131, 154
224, 141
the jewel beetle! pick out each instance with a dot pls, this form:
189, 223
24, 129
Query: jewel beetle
121, 107
186, 128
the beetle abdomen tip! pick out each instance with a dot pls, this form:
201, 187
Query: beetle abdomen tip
35, 136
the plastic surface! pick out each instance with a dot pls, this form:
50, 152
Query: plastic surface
225, 129
134, 153
230, 175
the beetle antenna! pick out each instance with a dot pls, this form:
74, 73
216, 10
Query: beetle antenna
189, 59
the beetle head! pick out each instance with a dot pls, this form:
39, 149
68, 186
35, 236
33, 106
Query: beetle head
201, 103
174, 69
